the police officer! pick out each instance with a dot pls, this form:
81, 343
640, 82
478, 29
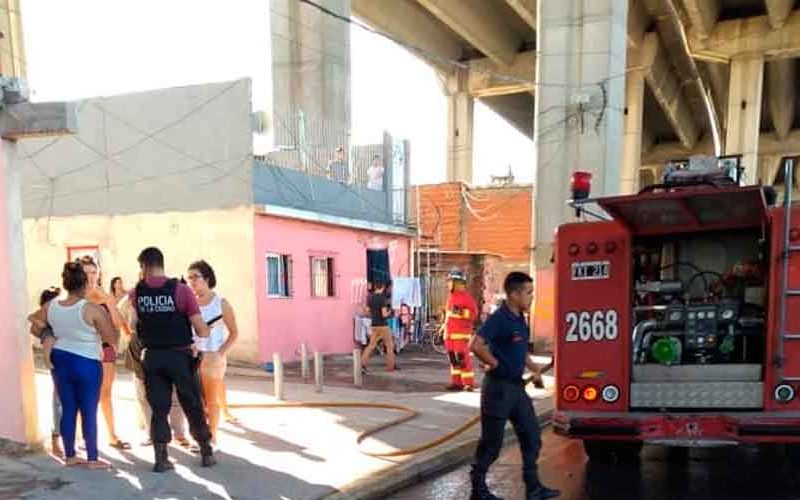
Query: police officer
502, 345
164, 313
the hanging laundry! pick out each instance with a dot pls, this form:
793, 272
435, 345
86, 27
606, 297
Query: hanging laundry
406, 291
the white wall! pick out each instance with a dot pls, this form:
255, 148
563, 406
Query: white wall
176, 149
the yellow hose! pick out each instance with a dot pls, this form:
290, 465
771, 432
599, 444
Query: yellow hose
410, 415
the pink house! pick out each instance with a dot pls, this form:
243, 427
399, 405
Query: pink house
311, 281
313, 239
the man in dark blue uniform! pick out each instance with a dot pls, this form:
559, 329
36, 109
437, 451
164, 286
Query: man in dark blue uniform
502, 345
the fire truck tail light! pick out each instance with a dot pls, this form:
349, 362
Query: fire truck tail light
590, 393
610, 247
571, 393
610, 393
591, 247
574, 249
784, 393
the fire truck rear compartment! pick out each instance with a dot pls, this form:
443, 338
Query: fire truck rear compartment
699, 316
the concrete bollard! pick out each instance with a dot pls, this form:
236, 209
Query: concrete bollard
304, 371
318, 369
278, 375
357, 376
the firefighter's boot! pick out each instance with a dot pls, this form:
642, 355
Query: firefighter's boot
163, 463
542, 492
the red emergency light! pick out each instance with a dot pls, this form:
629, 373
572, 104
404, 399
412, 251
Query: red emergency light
581, 185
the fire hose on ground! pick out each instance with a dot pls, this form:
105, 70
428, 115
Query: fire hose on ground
410, 414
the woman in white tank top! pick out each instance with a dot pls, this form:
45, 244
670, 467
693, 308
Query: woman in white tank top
218, 313
78, 327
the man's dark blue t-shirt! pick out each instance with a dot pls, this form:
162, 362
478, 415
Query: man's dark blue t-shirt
507, 336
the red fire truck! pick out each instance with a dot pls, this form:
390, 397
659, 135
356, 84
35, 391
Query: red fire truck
679, 314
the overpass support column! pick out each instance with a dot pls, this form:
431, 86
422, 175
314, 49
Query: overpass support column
744, 113
460, 119
633, 125
580, 94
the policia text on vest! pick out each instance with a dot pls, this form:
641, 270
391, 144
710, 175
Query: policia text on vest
166, 312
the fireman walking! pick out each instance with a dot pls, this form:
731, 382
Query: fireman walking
502, 345
459, 321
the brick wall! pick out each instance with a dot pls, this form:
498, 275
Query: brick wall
495, 220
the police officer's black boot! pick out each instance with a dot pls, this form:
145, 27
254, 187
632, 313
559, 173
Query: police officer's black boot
207, 455
541, 492
480, 490
163, 463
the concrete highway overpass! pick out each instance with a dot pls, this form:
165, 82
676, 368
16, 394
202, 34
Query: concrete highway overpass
615, 87
738, 54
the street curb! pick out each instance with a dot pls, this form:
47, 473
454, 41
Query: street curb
383, 483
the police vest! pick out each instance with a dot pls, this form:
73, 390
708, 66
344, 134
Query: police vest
160, 324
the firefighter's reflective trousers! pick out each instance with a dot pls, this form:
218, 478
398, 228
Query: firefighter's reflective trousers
461, 373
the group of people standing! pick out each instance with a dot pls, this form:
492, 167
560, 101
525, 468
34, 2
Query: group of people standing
178, 339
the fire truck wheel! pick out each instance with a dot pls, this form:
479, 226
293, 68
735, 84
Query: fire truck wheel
793, 453
612, 451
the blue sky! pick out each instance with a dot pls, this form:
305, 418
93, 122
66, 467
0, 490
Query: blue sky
85, 48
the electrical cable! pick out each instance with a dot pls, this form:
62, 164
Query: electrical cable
460, 64
702, 274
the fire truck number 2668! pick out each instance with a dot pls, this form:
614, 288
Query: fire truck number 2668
592, 325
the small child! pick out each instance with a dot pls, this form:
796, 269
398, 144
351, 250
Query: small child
43, 332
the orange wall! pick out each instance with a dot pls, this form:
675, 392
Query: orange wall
499, 222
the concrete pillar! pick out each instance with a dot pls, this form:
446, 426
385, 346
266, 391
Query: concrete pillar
580, 72
744, 112
18, 419
310, 78
768, 168
460, 114
634, 118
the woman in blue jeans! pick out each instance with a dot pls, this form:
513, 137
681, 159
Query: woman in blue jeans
79, 328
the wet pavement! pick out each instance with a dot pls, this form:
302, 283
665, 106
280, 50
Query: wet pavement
747, 472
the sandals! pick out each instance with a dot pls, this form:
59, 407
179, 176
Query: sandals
120, 445
183, 443
75, 462
97, 465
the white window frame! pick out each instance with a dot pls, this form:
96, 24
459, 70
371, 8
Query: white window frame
283, 275
330, 268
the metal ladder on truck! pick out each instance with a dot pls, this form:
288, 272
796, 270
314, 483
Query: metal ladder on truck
786, 292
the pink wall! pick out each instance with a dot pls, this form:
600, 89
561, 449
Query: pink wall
326, 324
